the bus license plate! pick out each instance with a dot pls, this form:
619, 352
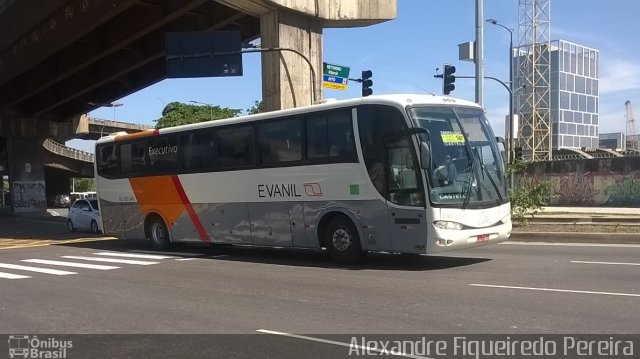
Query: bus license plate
482, 238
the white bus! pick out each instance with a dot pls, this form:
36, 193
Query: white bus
393, 173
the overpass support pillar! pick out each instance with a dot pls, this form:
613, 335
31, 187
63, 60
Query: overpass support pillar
26, 176
286, 76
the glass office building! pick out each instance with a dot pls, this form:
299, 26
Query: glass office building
574, 95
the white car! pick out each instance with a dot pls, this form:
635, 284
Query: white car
84, 214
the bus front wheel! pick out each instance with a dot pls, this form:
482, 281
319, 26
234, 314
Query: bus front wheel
342, 240
157, 233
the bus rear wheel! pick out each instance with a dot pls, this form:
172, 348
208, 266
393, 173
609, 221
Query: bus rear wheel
157, 233
342, 240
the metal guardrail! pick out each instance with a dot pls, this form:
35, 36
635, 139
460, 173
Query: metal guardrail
575, 156
62, 150
117, 124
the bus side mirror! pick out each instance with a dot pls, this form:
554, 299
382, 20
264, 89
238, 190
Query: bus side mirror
425, 156
500, 140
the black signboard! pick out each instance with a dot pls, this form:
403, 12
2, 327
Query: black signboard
203, 54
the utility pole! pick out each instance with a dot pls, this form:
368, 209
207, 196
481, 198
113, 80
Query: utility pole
512, 131
479, 53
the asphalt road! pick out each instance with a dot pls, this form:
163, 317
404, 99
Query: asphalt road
511, 288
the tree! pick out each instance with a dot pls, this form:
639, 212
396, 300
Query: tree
177, 113
257, 107
84, 184
528, 197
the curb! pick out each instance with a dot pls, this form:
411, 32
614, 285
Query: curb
576, 237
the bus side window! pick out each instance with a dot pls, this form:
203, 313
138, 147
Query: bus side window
280, 141
197, 150
330, 137
108, 160
235, 146
163, 153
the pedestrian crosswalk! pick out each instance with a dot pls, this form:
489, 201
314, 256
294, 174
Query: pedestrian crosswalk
61, 265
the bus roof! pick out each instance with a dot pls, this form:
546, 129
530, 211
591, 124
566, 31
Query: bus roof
398, 100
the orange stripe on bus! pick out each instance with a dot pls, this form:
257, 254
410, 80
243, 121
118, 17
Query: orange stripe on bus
129, 136
165, 195
158, 194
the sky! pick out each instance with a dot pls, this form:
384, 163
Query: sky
403, 55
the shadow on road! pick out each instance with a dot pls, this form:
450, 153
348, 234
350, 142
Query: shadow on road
43, 227
293, 257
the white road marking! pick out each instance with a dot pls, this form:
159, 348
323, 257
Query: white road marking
111, 260
556, 290
614, 263
35, 269
132, 255
342, 344
176, 254
610, 245
186, 259
12, 276
70, 264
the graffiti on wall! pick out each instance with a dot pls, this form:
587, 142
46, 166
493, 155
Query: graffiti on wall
625, 192
594, 189
29, 196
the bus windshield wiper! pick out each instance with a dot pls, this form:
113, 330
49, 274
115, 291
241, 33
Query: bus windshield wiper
467, 188
493, 183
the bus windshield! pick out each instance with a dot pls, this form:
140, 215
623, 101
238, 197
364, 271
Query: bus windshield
466, 167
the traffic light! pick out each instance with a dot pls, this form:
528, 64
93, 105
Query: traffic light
448, 79
367, 83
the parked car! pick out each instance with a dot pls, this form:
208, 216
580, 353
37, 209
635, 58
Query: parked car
62, 200
84, 214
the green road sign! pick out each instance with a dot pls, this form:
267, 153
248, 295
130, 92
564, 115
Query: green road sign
335, 70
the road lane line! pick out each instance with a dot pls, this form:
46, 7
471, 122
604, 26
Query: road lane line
12, 276
41, 243
132, 255
35, 269
556, 290
70, 264
614, 263
342, 344
176, 254
111, 260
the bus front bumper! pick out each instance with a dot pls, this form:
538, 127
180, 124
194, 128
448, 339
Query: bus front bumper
442, 240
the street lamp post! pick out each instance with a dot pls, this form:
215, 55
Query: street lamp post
511, 140
206, 104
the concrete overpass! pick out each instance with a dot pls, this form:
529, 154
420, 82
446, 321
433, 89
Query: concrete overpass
60, 58
91, 128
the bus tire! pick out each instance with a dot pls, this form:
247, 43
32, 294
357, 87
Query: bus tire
342, 240
157, 233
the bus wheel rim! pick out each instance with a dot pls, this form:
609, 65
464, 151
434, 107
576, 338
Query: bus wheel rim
341, 239
158, 233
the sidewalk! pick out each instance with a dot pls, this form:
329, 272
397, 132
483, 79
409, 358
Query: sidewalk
582, 224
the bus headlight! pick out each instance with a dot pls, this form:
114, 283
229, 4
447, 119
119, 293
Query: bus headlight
447, 225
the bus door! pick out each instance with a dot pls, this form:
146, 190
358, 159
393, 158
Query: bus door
405, 197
